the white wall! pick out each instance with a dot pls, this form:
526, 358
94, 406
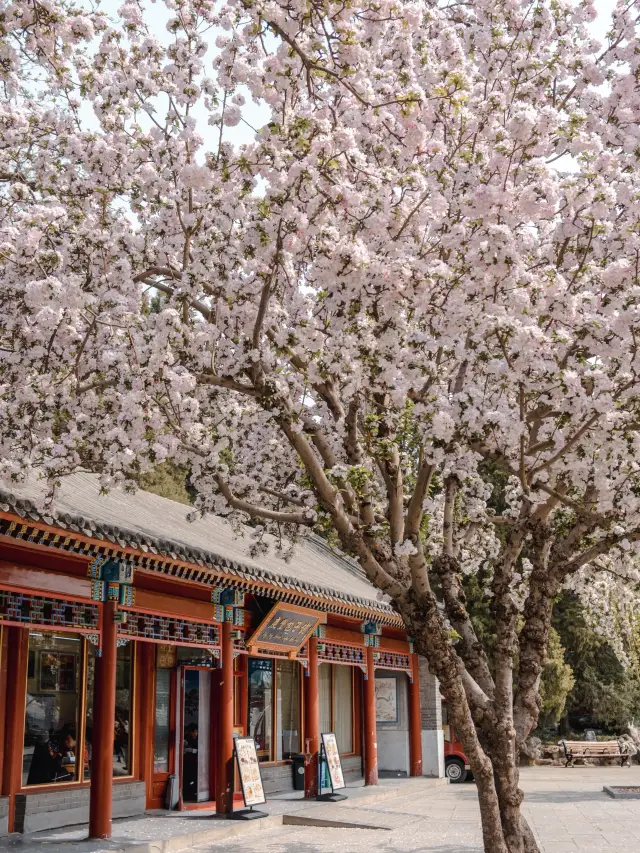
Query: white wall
393, 738
393, 751
433, 753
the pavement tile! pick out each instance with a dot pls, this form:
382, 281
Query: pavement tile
567, 810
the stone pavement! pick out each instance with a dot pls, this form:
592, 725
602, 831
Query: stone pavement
570, 813
169, 832
567, 809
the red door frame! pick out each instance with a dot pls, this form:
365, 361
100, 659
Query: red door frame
157, 782
210, 803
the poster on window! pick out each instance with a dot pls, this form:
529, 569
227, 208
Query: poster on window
249, 770
386, 700
57, 672
332, 757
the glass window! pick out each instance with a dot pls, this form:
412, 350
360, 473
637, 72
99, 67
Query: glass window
188, 656
288, 709
51, 735
260, 676
161, 735
324, 690
124, 692
237, 699
335, 683
343, 707
122, 730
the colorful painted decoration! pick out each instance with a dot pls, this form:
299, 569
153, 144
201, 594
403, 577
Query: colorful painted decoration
392, 660
36, 610
336, 653
146, 626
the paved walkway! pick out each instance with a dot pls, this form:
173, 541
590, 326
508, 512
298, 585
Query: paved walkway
169, 832
567, 809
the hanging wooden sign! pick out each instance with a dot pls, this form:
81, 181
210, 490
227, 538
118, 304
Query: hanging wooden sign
286, 628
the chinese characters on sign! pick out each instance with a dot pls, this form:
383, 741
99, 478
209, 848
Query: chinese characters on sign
249, 770
285, 628
332, 757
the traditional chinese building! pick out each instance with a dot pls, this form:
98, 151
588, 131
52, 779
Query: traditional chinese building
135, 644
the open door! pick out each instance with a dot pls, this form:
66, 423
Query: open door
194, 734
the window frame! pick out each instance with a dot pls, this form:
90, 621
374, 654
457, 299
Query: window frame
275, 710
275, 762
351, 669
82, 714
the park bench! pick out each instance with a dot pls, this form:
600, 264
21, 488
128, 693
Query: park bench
596, 749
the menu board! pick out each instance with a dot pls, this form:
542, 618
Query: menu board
332, 757
249, 770
285, 628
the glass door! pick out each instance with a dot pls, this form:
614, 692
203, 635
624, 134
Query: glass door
195, 746
164, 736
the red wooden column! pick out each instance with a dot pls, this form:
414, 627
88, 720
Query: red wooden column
4, 645
415, 721
224, 780
104, 714
146, 714
16, 663
311, 722
370, 734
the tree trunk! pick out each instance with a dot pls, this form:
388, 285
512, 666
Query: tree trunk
507, 776
489, 746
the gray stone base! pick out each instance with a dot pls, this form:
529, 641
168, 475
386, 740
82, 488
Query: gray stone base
392, 774
4, 816
52, 809
279, 779
622, 792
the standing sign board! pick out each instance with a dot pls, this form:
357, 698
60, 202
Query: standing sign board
249, 770
331, 757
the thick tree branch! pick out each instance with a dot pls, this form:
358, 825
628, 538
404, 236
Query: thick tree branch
414, 510
305, 518
226, 382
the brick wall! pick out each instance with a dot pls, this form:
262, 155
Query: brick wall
279, 779
352, 768
51, 809
430, 705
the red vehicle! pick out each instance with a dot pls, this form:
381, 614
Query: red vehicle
456, 765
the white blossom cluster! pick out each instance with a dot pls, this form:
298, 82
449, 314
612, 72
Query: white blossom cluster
391, 287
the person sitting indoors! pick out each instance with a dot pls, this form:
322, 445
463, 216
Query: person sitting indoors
47, 764
191, 738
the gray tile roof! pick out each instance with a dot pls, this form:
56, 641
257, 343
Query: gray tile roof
159, 526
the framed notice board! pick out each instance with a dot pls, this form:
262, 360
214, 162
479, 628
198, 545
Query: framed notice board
249, 771
332, 757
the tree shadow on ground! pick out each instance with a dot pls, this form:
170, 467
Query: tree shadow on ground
560, 797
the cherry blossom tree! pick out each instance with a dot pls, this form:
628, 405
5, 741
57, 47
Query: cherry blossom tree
418, 279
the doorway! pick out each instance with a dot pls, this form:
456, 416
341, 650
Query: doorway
194, 730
